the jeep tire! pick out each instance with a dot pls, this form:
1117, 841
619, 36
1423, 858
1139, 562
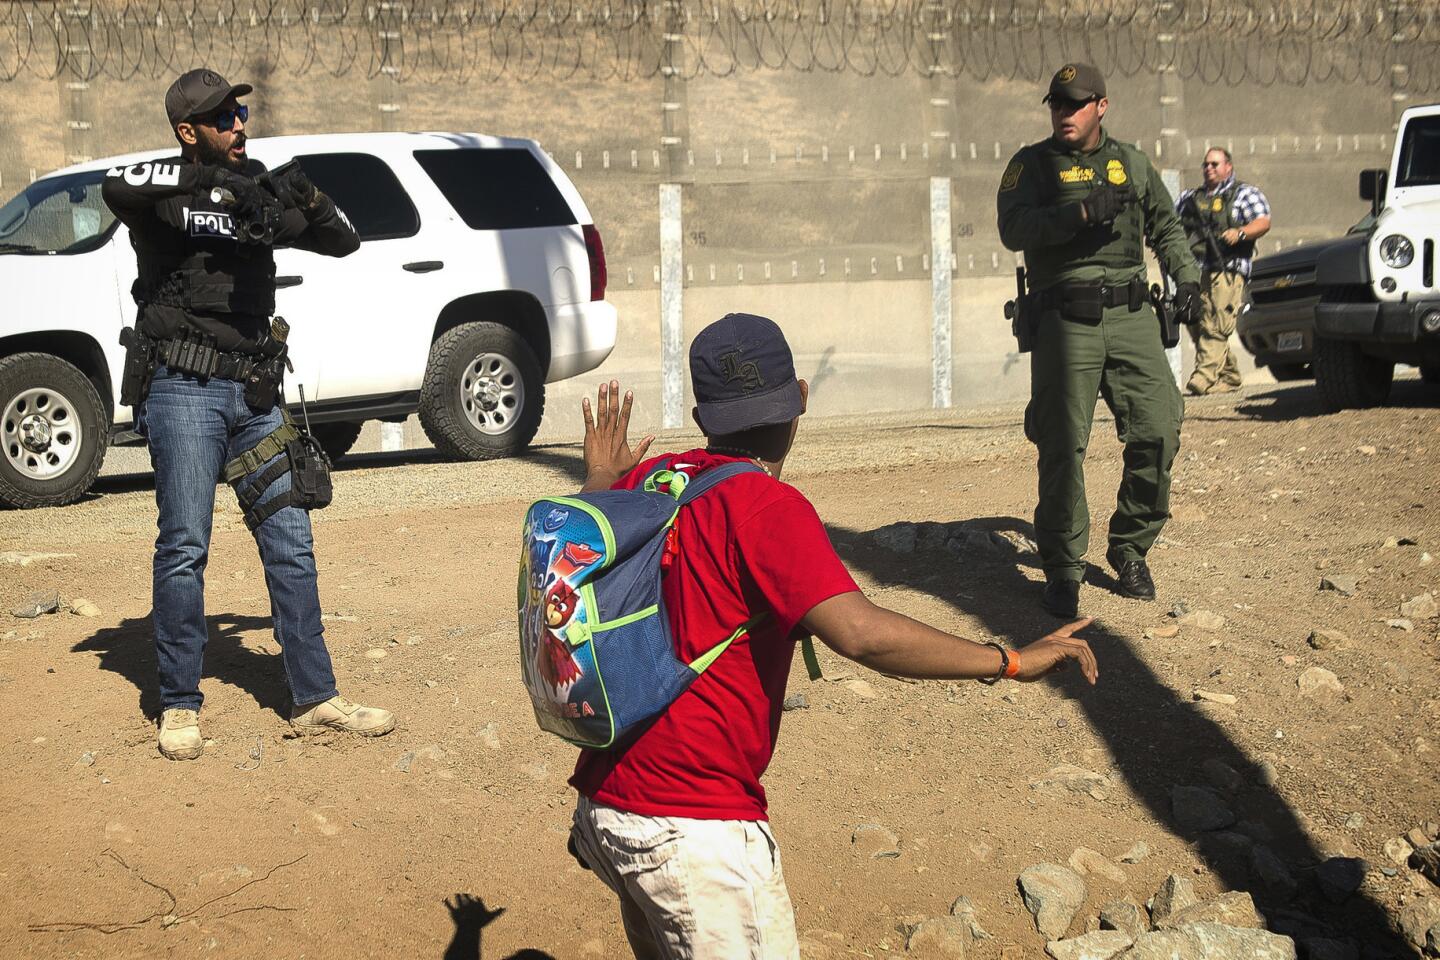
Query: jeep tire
483, 394
337, 438
1348, 378
53, 431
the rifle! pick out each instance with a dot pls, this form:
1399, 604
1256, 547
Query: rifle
1213, 255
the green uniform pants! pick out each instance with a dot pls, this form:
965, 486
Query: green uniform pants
1120, 358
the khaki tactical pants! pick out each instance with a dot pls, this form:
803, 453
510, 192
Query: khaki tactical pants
1121, 359
1223, 295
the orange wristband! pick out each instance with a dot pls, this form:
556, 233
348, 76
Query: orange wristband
1012, 669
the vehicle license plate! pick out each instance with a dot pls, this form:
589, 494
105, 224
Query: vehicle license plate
1291, 340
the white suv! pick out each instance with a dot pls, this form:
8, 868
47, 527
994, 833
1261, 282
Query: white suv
480, 277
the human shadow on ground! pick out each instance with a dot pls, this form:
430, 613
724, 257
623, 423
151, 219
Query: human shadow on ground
471, 917
1157, 739
129, 650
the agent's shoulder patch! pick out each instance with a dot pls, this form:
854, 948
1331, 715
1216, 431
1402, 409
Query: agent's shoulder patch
1010, 179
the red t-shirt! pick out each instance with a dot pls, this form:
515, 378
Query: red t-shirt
750, 545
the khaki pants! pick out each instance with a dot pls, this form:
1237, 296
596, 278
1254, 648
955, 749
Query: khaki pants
690, 889
1223, 295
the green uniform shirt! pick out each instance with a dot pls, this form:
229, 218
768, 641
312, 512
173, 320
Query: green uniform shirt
1039, 213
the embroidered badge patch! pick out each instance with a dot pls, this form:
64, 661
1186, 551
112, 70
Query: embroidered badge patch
1077, 174
1011, 177
1066, 74
1217, 204
1115, 173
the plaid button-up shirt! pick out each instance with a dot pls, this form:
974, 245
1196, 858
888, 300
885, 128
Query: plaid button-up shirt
1250, 204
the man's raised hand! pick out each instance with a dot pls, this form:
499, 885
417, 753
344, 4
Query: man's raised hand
608, 456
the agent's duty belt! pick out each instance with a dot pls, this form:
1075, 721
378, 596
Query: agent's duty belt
198, 358
1131, 294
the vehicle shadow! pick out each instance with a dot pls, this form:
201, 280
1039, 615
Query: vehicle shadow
1157, 738
471, 917
1297, 401
128, 649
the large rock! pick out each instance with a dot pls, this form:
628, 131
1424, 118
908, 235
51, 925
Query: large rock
1339, 877
1211, 941
1052, 894
1233, 909
1319, 682
1068, 778
939, 938
1270, 871
1221, 775
1097, 945
963, 910
1420, 922
1324, 639
1422, 607
1175, 894
1199, 809
1125, 916
1087, 862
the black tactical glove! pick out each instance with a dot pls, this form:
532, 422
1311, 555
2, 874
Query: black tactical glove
1188, 305
256, 212
291, 186
1106, 201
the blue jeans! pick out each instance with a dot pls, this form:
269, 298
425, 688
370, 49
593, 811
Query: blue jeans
194, 429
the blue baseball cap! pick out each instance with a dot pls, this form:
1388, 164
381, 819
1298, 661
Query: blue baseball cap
743, 375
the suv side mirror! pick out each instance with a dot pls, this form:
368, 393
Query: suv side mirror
1372, 188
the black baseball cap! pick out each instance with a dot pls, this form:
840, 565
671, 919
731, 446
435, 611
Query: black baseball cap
743, 374
199, 92
1076, 81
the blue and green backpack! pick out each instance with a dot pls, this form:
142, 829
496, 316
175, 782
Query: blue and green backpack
596, 651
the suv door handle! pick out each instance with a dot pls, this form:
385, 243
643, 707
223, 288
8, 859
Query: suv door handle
424, 266
282, 282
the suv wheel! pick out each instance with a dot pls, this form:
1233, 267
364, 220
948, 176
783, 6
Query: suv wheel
336, 439
53, 431
1349, 378
483, 393
1284, 372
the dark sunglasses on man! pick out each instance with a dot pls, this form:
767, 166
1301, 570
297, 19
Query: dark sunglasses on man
225, 119
1067, 105
1209, 163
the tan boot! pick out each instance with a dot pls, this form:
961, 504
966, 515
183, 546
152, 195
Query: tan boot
337, 713
180, 734
1222, 386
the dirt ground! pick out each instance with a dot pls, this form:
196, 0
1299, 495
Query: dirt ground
278, 847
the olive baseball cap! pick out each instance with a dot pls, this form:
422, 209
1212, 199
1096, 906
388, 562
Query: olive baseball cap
743, 374
1076, 81
199, 92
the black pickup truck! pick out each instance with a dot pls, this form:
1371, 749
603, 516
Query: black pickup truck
1278, 327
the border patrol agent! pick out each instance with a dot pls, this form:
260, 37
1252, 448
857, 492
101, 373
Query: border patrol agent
203, 369
1223, 218
1081, 206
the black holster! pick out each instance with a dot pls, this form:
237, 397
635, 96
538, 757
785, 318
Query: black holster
1165, 313
1023, 313
263, 384
139, 366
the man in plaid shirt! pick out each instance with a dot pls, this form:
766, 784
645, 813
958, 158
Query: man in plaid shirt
1223, 218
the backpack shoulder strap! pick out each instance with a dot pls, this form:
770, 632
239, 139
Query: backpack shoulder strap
710, 478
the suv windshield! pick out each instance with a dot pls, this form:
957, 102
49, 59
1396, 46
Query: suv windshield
57, 215
1420, 154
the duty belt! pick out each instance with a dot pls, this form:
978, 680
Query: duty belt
197, 358
1131, 293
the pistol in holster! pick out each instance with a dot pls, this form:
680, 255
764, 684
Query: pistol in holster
139, 366
1165, 313
263, 384
1023, 314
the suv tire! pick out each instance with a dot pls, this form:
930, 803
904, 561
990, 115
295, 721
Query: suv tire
53, 431
1285, 372
483, 394
336, 439
1348, 378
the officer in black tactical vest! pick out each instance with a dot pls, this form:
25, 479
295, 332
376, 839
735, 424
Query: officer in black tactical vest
1082, 207
203, 369
1223, 218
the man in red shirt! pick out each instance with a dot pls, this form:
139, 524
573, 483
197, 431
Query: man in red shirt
675, 822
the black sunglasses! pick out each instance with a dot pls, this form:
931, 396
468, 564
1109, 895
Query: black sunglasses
1210, 163
225, 119
1065, 103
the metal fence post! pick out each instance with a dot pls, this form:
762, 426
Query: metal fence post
939, 120
674, 137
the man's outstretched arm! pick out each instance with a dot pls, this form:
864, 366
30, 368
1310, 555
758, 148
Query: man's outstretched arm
891, 642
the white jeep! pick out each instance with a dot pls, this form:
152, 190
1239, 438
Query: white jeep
480, 277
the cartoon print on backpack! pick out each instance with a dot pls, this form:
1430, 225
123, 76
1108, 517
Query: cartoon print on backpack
551, 604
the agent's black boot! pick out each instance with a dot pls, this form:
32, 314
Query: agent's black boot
1134, 576
1061, 598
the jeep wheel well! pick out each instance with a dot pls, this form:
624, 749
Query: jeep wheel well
78, 349
515, 309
